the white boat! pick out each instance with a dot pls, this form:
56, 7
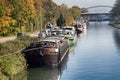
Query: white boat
69, 28
70, 34
84, 25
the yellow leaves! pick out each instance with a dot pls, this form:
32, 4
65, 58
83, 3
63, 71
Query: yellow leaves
5, 8
2, 11
31, 12
5, 22
31, 2
8, 11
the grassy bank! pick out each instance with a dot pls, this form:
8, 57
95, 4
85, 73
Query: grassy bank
115, 24
12, 63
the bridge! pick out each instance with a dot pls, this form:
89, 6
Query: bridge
101, 16
99, 6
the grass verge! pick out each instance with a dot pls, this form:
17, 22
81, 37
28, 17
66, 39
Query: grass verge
11, 64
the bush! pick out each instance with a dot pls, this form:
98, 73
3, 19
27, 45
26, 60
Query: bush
11, 64
17, 44
3, 77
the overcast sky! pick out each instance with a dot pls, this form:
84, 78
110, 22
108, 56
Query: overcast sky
85, 3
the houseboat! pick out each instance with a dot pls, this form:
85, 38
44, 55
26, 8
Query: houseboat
84, 25
70, 35
69, 28
79, 27
50, 51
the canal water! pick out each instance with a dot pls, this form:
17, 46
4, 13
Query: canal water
96, 56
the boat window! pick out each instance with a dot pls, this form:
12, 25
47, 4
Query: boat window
61, 41
69, 28
67, 33
50, 44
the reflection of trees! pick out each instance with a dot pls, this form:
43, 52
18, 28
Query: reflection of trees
45, 73
63, 64
117, 38
72, 47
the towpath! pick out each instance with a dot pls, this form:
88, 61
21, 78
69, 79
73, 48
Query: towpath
2, 40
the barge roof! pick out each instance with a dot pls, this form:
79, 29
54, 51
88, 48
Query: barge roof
52, 39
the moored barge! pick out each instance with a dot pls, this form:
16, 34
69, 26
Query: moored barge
79, 27
50, 51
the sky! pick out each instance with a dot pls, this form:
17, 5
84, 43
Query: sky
86, 3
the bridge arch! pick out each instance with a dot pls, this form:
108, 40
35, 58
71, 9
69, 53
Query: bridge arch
97, 6
97, 16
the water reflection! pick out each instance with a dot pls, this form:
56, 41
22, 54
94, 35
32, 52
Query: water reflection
117, 38
45, 73
63, 65
84, 33
71, 48
95, 57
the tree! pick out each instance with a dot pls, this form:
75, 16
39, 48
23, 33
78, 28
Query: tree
84, 10
61, 21
50, 11
69, 19
23, 12
116, 9
6, 21
75, 11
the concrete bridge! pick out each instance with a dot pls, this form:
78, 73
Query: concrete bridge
103, 16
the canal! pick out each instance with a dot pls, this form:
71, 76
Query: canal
96, 56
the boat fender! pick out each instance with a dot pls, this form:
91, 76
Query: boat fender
42, 53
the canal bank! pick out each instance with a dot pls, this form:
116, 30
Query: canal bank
95, 57
115, 24
12, 61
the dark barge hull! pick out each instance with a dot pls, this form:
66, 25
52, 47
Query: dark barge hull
54, 60
35, 59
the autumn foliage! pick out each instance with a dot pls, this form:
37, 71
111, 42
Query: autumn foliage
5, 20
27, 15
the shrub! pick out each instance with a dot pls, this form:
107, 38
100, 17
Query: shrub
12, 63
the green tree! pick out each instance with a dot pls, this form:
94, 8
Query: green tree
50, 11
61, 21
84, 10
23, 12
6, 21
116, 9
67, 15
75, 11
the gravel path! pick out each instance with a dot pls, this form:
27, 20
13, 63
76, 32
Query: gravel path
2, 40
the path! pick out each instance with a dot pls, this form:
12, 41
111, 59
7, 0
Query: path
2, 40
